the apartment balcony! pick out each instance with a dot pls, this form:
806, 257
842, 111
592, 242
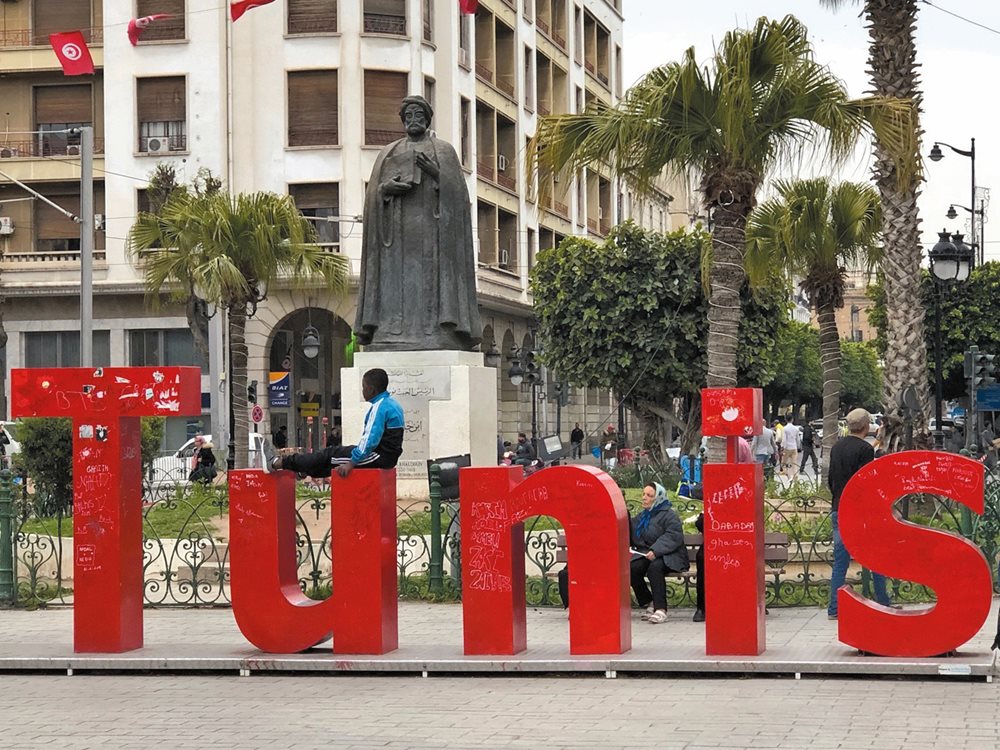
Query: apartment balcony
605, 227
544, 109
592, 225
380, 23
542, 25
44, 147
27, 38
506, 181
484, 73
505, 87
485, 169
590, 67
47, 260
560, 208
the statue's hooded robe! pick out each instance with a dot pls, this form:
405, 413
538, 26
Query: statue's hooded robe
418, 274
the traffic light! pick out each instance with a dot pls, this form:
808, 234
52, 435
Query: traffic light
984, 370
532, 374
252, 392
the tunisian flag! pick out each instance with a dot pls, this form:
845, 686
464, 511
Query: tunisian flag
239, 7
137, 25
72, 53
468, 7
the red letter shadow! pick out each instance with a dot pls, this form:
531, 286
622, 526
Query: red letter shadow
953, 567
268, 604
495, 502
105, 404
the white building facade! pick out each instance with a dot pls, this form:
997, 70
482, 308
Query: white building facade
297, 97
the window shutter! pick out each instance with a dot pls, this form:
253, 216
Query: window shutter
53, 16
312, 16
167, 28
384, 93
161, 99
64, 104
51, 224
315, 195
312, 108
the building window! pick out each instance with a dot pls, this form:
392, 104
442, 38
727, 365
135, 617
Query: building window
463, 39
165, 29
529, 80
429, 91
532, 249
427, 8
320, 201
619, 89
529, 10
578, 33
162, 111
312, 108
173, 347
53, 16
62, 349
384, 91
57, 109
312, 16
581, 102
466, 144
385, 17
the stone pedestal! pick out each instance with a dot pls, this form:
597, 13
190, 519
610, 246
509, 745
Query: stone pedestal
449, 399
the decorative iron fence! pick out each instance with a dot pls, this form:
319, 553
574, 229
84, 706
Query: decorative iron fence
186, 550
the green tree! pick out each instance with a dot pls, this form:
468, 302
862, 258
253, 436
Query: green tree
630, 313
761, 98
798, 377
892, 65
861, 377
814, 231
229, 249
47, 458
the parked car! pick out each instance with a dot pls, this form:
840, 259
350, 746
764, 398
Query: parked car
175, 467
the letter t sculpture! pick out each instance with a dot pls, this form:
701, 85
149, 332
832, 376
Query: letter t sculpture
105, 405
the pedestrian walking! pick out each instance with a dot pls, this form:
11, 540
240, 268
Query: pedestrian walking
576, 441
846, 459
809, 449
791, 440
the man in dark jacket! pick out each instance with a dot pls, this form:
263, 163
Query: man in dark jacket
524, 454
656, 537
576, 441
809, 449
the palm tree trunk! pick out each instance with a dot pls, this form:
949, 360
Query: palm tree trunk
829, 355
196, 311
893, 69
726, 277
238, 358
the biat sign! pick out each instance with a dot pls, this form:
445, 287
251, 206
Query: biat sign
273, 614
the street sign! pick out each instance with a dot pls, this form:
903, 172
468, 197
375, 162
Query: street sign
257, 414
988, 398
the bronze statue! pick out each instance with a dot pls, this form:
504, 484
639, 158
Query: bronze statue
418, 273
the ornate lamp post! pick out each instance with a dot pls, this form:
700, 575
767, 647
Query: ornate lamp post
937, 154
951, 261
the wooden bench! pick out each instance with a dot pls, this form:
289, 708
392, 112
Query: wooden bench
775, 553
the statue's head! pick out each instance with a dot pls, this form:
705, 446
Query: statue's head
416, 114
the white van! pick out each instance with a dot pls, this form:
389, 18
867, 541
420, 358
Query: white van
175, 468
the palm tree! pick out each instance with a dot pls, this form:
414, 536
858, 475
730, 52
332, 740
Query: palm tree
814, 231
230, 249
762, 98
892, 64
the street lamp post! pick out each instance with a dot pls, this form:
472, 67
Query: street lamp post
951, 261
937, 155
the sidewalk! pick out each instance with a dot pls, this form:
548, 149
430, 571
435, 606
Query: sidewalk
800, 641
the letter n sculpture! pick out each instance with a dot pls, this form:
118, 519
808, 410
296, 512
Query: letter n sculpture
105, 405
495, 503
734, 527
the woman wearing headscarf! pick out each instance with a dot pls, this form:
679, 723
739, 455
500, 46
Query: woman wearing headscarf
656, 537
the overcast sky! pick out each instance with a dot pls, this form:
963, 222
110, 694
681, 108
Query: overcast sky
958, 71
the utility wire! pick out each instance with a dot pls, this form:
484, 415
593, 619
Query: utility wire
961, 18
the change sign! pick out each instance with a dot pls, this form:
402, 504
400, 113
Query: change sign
280, 389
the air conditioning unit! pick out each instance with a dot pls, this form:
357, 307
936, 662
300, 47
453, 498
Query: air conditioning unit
157, 145
72, 150
501, 163
6, 226
504, 259
9, 152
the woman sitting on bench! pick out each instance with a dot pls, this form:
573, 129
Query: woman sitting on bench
656, 538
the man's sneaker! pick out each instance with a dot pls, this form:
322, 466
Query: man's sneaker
269, 459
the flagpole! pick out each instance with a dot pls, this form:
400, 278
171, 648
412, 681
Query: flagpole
86, 246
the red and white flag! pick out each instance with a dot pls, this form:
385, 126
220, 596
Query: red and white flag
137, 25
239, 7
469, 7
72, 53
